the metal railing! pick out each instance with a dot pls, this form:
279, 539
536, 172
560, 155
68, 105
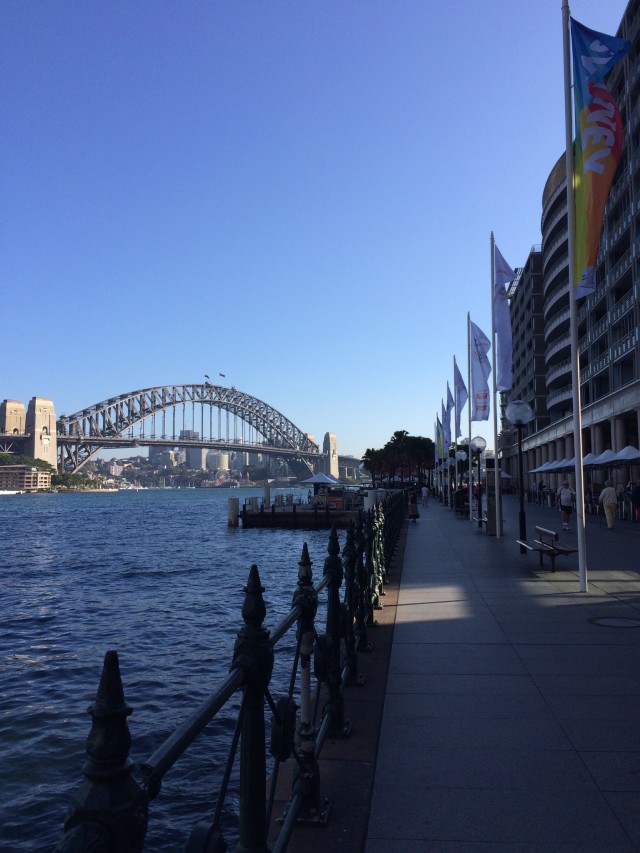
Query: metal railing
110, 811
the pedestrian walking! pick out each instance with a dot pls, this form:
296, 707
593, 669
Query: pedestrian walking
413, 505
425, 496
566, 496
609, 500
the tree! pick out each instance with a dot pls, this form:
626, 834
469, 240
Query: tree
373, 462
17, 459
401, 452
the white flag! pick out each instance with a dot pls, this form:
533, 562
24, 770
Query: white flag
502, 275
446, 417
460, 393
480, 372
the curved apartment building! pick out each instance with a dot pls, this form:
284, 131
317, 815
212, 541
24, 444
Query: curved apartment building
608, 320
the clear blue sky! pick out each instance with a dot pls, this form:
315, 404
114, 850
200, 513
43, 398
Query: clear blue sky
299, 195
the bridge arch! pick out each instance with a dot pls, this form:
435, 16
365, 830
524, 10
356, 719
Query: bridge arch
119, 421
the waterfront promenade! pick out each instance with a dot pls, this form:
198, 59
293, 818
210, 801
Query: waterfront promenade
510, 718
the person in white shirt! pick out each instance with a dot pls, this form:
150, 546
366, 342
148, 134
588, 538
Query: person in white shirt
566, 497
609, 500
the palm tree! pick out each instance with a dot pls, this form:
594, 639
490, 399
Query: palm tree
398, 446
372, 462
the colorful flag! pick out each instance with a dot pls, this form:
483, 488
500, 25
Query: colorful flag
598, 143
502, 275
439, 442
460, 393
480, 372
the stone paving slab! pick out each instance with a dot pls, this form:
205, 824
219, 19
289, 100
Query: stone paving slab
510, 720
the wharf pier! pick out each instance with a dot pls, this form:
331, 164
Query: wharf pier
335, 508
298, 516
507, 715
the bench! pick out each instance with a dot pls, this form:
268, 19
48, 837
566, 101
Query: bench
547, 545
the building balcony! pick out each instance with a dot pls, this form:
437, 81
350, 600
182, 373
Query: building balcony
625, 345
617, 271
616, 192
561, 189
563, 316
623, 307
552, 275
560, 294
597, 366
564, 367
596, 332
559, 395
557, 346
616, 231
590, 303
551, 248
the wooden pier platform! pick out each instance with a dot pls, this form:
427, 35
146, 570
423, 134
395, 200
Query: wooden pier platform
298, 516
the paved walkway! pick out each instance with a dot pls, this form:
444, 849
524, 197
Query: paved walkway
511, 720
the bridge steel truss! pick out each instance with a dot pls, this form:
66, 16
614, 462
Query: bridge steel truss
83, 434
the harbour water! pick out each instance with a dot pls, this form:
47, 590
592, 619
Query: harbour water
157, 576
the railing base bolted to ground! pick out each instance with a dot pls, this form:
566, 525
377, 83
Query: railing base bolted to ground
110, 811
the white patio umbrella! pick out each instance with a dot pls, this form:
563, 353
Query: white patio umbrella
541, 468
604, 459
627, 454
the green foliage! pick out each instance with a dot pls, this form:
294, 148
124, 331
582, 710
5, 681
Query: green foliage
17, 459
73, 481
402, 455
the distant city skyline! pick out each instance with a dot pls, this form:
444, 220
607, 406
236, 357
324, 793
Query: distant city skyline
293, 200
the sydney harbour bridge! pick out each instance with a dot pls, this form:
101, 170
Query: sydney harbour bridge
193, 415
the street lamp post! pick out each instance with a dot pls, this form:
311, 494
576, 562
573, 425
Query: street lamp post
458, 498
519, 413
478, 444
452, 482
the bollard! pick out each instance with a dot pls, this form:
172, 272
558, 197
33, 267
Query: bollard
110, 811
233, 512
254, 656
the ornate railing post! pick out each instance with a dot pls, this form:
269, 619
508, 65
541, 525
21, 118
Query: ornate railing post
350, 605
254, 656
335, 703
306, 774
371, 557
377, 562
110, 810
363, 571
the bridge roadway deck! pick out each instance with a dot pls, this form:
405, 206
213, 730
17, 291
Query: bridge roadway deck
508, 720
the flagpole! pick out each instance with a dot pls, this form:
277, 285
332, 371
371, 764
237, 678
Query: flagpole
455, 431
575, 354
469, 408
495, 398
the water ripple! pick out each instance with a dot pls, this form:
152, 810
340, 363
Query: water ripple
158, 576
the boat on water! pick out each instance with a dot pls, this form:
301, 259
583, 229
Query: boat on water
11, 492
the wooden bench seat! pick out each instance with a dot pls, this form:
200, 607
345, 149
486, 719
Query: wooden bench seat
547, 545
